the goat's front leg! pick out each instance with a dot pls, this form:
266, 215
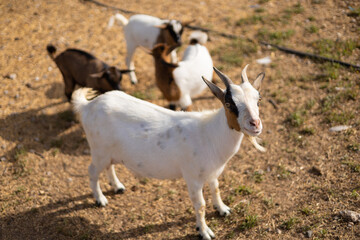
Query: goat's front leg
196, 196
114, 181
216, 198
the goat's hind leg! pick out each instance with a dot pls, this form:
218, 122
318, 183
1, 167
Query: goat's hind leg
119, 188
130, 48
95, 169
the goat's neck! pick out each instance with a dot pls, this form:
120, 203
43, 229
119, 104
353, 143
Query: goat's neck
225, 141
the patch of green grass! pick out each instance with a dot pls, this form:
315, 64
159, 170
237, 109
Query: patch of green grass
282, 172
307, 131
263, 1
144, 181
310, 104
249, 222
55, 152
307, 211
341, 118
323, 233
354, 147
19, 190
296, 119
295, 9
259, 10
20, 165
354, 12
258, 176
289, 224
276, 37
355, 194
328, 103
312, 29
20, 153
269, 202
141, 95
243, 190
311, 18
335, 49
355, 167
232, 53
254, 19
279, 96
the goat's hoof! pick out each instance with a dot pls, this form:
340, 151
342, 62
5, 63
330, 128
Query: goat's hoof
205, 233
98, 204
223, 211
120, 191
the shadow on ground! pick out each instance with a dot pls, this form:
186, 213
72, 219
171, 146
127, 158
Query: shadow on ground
39, 131
54, 221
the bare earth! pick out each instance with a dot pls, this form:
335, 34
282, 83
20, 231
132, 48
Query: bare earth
295, 189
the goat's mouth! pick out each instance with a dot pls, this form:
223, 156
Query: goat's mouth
253, 132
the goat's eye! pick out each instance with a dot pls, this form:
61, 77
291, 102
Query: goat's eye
227, 105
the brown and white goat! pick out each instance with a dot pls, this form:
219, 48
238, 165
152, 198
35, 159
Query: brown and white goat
182, 81
82, 68
147, 31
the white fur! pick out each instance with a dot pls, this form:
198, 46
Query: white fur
141, 30
196, 62
159, 143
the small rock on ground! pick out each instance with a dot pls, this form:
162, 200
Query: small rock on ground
350, 216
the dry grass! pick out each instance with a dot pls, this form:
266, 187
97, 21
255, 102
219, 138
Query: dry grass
275, 195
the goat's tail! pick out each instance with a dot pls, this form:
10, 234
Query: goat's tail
118, 18
198, 37
80, 97
51, 50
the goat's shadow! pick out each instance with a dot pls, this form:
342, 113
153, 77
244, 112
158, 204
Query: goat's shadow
55, 91
54, 221
39, 131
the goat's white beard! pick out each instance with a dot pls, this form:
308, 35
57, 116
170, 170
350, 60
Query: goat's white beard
254, 142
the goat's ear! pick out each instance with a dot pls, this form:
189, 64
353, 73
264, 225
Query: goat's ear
97, 75
162, 26
218, 92
187, 23
258, 81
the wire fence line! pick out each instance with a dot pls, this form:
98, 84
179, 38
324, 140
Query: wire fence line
232, 36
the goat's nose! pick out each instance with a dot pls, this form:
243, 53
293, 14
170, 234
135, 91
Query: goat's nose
255, 123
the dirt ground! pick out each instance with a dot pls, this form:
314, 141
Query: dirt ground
293, 191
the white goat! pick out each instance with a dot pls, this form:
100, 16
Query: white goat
155, 142
147, 31
180, 82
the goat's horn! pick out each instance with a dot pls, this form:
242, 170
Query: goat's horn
226, 80
243, 74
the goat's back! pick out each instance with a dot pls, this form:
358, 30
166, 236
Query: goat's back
78, 65
150, 140
196, 63
143, 25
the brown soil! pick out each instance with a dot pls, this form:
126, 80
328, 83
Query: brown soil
300, 184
